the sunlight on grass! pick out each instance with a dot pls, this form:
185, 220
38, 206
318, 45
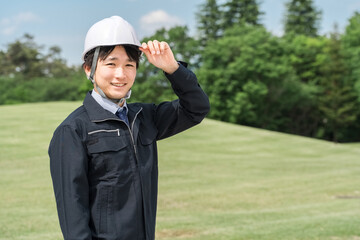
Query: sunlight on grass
216, 181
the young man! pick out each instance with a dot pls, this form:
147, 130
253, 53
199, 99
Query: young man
103, 157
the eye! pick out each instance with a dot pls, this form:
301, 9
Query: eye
110, 64
130, 65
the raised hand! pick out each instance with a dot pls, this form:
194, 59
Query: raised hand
160, 55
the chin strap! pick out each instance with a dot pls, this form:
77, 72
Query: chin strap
122, 100
98, 89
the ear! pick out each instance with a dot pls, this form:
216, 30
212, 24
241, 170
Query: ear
87, 71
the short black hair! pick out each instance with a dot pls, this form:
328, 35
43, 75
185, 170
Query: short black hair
133, 53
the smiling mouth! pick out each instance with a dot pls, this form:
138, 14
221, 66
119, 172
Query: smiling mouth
118, 84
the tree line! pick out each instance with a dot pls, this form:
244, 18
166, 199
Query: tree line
301, 82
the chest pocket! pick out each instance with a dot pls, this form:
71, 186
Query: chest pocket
105, 141
108, 154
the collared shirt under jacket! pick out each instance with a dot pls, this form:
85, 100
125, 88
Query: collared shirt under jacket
105, 173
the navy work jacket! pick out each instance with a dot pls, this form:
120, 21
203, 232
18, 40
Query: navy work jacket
105, 173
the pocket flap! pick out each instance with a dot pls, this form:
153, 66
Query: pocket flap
105, 144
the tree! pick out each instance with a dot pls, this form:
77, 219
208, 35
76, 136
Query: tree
6, 68
306, 55
54, 65
208, 22
338, 99
351, 47
302, 18
26, 58
29, 75
23, 57
351, 51
248, 79
238, 12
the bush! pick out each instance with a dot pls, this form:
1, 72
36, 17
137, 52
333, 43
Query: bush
41, 89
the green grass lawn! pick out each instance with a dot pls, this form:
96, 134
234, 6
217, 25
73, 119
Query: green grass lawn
217, 181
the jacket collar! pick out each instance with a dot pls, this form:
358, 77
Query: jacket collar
98, 114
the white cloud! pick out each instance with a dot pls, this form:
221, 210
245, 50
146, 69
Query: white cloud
26, 17
156, 20
11, 24
8, 30
5, 21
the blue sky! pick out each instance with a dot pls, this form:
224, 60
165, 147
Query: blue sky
65, 23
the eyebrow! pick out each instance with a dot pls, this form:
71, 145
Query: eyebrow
115, 58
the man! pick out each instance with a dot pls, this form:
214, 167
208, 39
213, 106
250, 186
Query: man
103, 157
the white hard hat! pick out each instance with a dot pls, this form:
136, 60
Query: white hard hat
110, 31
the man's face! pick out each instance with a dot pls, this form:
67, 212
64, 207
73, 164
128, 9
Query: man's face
116, 74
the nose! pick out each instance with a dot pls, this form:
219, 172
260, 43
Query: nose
119, 73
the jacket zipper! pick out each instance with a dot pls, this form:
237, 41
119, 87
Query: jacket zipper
104, 130
135, 149
131, 134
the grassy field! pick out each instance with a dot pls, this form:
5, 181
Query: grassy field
217, 181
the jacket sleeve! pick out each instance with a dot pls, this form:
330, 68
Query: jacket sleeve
68, 167
189, 109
